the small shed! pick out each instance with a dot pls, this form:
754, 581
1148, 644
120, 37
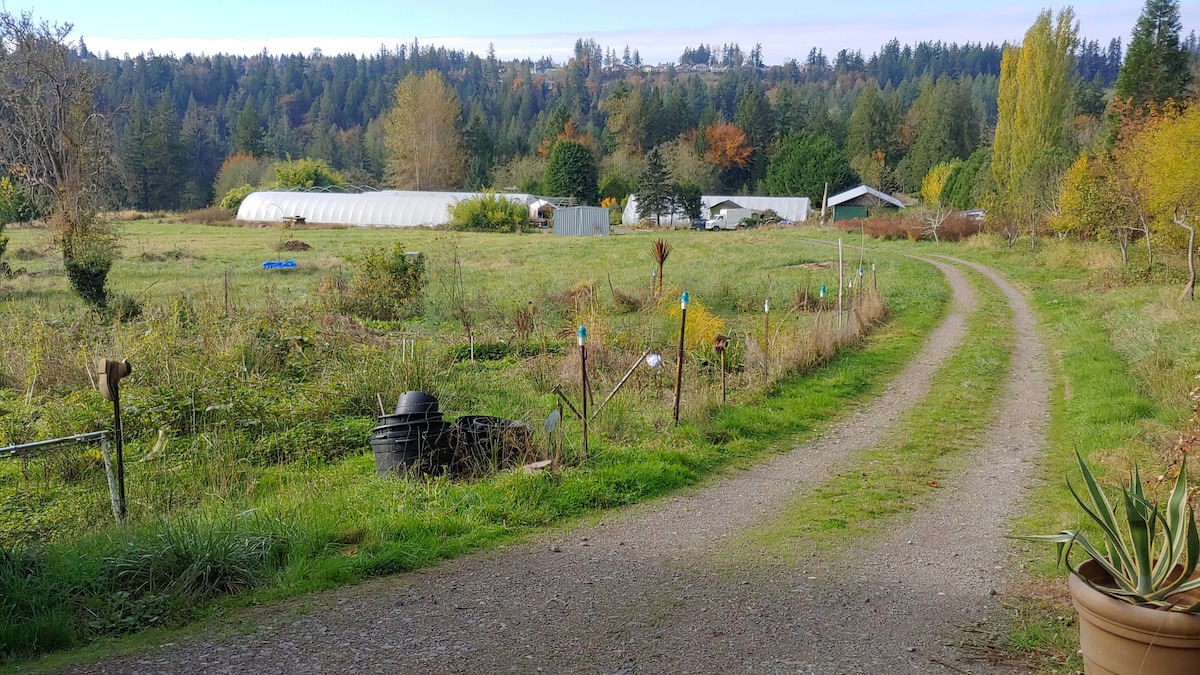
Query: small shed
581, 221
861, 202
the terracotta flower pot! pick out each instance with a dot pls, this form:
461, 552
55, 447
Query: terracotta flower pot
1118, 638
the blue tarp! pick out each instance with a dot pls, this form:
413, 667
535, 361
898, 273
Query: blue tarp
279, 265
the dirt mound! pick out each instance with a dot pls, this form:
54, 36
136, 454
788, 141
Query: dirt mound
296, 245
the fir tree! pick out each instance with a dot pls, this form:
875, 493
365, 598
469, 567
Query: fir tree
1157, 67
654, 188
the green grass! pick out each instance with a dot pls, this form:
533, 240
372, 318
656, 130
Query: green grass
216, 527
886, 483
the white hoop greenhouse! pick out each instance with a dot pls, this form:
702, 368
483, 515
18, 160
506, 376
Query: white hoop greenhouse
386, 208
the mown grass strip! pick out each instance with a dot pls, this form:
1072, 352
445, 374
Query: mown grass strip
889, 482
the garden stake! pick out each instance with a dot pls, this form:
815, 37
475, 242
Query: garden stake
226, 291
766, 340
584, 383
683, 301
113, 372
841, 285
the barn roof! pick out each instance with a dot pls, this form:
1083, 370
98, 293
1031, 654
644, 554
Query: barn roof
385, 208
861, 190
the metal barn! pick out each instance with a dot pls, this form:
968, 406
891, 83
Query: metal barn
581, 221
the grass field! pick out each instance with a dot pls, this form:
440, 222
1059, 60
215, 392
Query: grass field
259, 521
247, 420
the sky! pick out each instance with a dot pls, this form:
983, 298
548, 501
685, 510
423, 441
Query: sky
659, 31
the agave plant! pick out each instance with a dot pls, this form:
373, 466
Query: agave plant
1150, 556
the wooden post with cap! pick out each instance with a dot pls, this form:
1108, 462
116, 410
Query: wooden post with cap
111, 374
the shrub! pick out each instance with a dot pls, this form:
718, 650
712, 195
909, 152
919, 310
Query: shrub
232, 200
885, 227
306, 173
88, 273
15, 203
242, 169
489, 212
386, 285
213, 215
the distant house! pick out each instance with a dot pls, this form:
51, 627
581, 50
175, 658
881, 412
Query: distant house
792, 209
861, 202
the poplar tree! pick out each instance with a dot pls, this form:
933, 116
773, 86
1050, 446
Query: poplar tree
1033, 129
1157, 66
423, 142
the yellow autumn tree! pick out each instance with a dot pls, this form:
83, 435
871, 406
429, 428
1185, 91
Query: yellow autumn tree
1090, 204
422, 138
1171, 155
1033, 127
936, 211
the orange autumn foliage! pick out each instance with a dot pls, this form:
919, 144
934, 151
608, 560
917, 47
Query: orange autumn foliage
727, 145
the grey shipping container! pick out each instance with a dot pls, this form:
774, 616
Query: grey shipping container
581, 221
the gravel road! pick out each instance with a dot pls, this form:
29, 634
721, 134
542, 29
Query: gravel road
651, 589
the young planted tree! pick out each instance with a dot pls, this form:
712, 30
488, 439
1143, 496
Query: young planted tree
58, 143
424, 145
936, 211
660, 250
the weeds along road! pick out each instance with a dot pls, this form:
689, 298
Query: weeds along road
671, 587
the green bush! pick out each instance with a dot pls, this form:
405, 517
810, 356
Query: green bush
15, 204
306, 173
385, 285
494, 351
489, 212
232, 200
88, 273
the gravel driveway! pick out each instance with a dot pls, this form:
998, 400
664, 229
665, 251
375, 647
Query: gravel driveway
651, 589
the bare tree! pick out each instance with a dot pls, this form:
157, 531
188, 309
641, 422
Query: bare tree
57, 144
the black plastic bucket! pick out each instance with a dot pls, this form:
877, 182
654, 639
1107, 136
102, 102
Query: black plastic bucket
416, 402
421, 453
415, 429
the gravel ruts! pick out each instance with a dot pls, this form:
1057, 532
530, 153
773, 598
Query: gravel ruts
659, 588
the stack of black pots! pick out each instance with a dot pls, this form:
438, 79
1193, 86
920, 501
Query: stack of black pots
414, 438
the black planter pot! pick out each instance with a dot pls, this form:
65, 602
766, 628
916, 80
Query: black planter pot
421, 452
417, 402
488, 443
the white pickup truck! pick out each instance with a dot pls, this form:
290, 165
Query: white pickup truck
728, 219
